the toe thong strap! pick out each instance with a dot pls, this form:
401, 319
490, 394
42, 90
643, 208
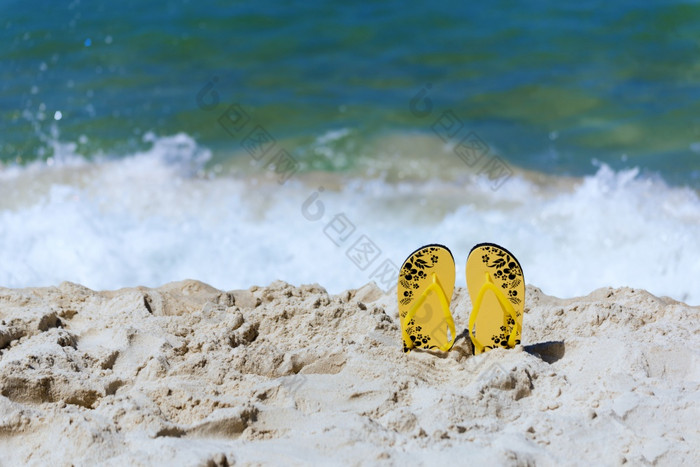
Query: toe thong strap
506, 306
434, 287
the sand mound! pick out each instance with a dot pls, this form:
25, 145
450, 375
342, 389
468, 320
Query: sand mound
188, 374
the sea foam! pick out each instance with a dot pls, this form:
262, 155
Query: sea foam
157, 216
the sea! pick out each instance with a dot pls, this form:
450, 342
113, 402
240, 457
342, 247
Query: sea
239, 143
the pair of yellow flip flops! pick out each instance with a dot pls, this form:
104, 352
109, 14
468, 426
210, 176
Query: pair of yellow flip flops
496, 286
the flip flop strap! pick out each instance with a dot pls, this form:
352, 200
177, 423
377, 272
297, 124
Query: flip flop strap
506, 306
436, 288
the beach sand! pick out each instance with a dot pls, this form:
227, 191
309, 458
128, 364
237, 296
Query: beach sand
186, 374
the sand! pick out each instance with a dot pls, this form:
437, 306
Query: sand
186, 374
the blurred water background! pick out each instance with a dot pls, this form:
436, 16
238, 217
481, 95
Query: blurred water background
116, 170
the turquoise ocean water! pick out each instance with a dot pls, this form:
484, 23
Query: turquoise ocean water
118, 171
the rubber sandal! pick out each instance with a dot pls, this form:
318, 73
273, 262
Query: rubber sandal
497, 289
426, 282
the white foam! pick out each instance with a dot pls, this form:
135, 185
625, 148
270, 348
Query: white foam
155, 217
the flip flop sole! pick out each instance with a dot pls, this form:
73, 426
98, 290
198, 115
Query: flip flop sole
499, 310
425, 285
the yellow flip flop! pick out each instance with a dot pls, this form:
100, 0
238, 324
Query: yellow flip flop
497, 289
426, 282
